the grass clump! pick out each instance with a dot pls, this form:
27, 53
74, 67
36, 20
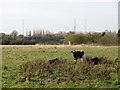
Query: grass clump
57, 71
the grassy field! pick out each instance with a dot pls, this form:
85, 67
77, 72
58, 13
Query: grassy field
13, 57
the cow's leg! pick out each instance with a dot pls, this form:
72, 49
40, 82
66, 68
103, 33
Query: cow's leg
75, 59
81, 59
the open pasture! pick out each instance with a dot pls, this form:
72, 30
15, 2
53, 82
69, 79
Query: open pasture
15, 57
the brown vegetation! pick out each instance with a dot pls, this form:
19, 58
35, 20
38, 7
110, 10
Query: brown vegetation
64, 70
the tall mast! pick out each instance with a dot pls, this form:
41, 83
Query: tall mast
74, 25
85, 25
23, 25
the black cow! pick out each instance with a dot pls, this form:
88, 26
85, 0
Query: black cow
78, 54
95, 60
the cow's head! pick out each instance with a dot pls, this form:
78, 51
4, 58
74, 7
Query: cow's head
73, 51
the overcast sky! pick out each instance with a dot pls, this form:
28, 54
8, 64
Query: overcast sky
58, 15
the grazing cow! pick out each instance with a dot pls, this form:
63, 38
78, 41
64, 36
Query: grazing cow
95, 60
78, 54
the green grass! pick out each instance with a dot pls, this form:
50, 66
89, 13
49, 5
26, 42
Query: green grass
14, 57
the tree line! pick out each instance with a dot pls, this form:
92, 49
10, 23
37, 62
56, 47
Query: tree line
96, 38
31, 38
47, 37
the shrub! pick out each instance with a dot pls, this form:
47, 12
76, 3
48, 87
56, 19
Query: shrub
63, 70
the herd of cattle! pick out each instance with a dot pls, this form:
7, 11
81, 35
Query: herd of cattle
79, 55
